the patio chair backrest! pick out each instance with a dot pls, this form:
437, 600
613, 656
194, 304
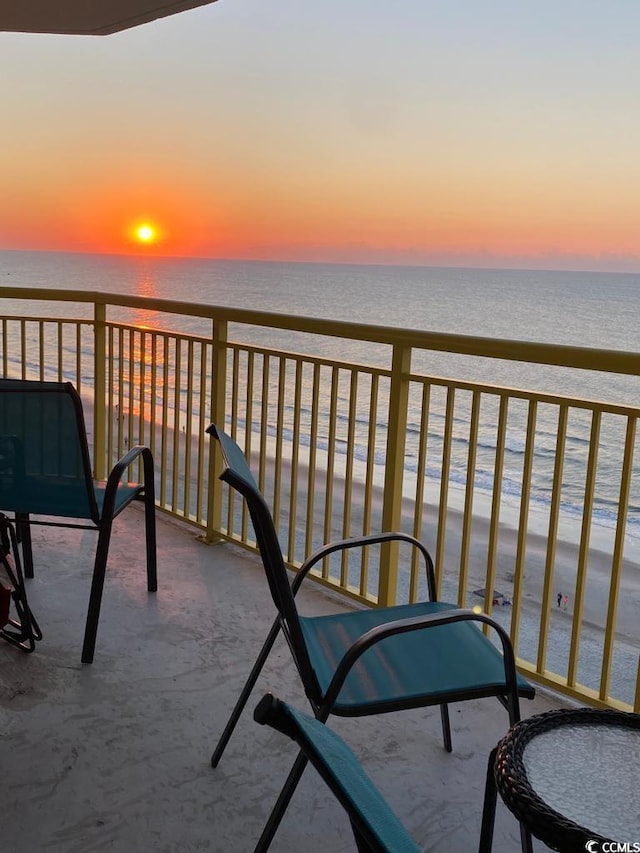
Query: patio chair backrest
45, 468
238, 475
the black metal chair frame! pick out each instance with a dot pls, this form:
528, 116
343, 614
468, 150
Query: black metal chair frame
326, 702
100, 520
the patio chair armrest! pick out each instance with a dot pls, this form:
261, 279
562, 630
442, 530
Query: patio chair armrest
120, 468
270, 712
418, 623
362, 542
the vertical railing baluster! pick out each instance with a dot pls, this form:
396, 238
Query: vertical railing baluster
348, 475
313, 452
41, 356
264, 420
295, 461
369, 480
164, 433
79, 350
496, 501
523, 523
5, 349
23, 349
279, 439
421, 480
331, 460
469, 491
552, 539
110, 385
60, 347
583, 552
616, 563
187, 430
175, 454
248, 430
99, 389
202, 425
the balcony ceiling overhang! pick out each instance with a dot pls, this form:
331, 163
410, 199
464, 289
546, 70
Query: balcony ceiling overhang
86, 17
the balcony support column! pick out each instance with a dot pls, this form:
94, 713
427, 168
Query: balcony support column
394, 472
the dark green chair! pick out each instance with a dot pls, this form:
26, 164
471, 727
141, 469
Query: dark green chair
373, 660
376, 828
45, 471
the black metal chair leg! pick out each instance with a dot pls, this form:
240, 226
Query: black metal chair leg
152, 561
446, 727
246, 692
95, 598
282, 802
150, 522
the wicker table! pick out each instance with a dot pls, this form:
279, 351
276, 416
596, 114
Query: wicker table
570, 777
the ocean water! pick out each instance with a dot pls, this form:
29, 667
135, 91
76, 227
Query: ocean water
575, 308
572, 308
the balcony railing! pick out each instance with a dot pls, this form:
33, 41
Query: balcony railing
528, 493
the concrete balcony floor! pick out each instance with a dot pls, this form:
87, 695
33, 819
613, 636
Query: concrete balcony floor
114, 756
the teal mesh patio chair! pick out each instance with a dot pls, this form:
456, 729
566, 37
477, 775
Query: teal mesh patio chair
45, 471
376, 828
373, 660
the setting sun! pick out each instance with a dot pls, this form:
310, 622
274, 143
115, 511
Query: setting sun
145, 233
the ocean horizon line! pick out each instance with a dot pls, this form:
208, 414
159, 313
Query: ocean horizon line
530, 265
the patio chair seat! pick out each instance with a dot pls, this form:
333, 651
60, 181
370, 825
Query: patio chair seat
59, 498
449, 660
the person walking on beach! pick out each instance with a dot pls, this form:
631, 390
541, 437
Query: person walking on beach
559, 599
565, 602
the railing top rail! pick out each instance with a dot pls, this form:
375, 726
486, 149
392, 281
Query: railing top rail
559, 355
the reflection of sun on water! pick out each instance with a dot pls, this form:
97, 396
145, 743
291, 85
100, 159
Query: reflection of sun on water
146, 318
145, 285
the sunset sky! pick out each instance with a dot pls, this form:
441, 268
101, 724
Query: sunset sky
453, 132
